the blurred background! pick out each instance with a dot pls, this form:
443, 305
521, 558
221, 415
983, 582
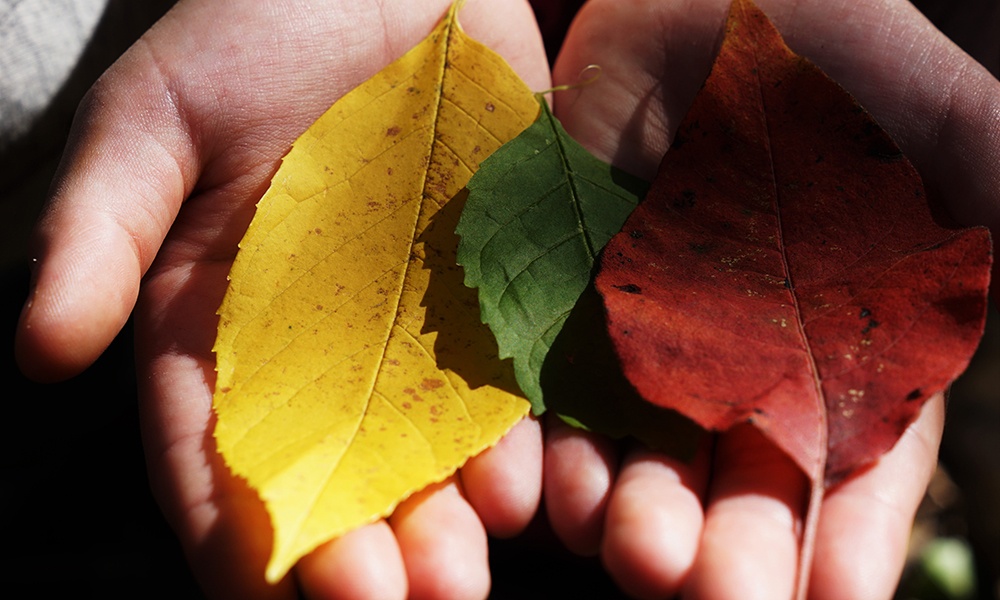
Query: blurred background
78, 514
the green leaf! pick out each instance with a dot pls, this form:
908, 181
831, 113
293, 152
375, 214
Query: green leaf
539, 211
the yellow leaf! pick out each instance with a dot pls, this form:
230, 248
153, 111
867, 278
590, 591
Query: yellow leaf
352, 366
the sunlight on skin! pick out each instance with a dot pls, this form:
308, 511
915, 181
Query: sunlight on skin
655, 510
363, 564
504, 485
753, 518
579, 473
443, 544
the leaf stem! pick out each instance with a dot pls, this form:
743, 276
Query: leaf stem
808, 545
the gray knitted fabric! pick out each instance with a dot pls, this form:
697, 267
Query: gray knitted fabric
40, 44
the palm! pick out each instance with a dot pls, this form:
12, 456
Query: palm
192, 125
661, 525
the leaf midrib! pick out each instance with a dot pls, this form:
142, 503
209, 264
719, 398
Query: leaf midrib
434, 120
571, 178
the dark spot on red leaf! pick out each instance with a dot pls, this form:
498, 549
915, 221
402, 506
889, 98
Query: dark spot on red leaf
872, 324
687, 199
629, 288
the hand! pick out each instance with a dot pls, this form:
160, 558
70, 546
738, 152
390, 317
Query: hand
170, 151
727, 526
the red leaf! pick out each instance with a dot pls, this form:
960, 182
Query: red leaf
786, 268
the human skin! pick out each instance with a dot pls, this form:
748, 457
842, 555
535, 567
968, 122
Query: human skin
728, 526
170, 151
177, 141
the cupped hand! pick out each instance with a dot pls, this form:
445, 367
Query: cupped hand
169, 152
728, 525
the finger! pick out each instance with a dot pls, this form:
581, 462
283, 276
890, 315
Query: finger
88, 263
504, 483
648, 77
443, 544
579, 471
865, 522
365, 564
654, 523
750, 545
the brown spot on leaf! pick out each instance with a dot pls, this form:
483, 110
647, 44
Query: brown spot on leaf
431, 384
392, 131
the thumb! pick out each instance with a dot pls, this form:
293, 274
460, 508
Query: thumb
648, 78
126, 169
